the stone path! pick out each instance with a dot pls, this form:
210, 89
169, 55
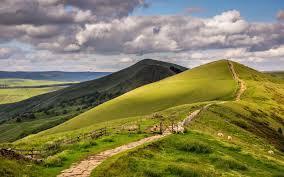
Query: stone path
239, 81
85, 167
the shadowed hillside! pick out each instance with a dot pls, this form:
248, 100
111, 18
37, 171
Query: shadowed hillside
64, 104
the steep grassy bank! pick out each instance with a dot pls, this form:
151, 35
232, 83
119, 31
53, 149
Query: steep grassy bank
255, 125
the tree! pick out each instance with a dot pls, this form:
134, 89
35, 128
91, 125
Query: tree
280, 131
32, 116
18, 119
64, 111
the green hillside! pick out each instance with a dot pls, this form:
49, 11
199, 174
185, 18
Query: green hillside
45, 111
205, 83
278, 74
255, 124
12, 95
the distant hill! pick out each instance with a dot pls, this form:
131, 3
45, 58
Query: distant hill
208, 82
54, 75
279, 74
65, 103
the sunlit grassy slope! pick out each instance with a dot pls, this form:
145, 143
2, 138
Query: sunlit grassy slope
254, 123
212, 81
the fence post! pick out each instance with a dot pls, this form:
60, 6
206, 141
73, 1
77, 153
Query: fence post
161, 127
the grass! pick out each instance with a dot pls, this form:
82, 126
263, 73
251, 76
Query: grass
19, 94
65, 155
12, 130
168, 158
81, 97
176, 113
195, 85
27, 82
253, 123
279, 74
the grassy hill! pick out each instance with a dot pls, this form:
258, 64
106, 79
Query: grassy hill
45, 111
254, 123
279, 74
205, 83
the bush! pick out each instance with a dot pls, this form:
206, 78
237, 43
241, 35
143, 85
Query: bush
195, 147
56, 160
280, 131
182, 172
18, 120
152, 173
88, 144
109, 140
229, 164
64, 111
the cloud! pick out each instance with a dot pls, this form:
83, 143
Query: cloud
280, 15
76, 29
149, 34
5, 53
40, 12
126, 60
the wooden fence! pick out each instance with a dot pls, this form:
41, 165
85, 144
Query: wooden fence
38, 154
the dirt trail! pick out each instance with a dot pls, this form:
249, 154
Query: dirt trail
240, 82
85, 167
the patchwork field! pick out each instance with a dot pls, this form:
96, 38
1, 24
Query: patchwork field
11, 95
19, 94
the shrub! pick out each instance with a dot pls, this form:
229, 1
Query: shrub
18, 120
182, 172
56, 160
152, 173
229, 164
280, 131
195, 147
109, 140
88, 144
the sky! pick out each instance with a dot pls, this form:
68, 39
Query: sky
108, 35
